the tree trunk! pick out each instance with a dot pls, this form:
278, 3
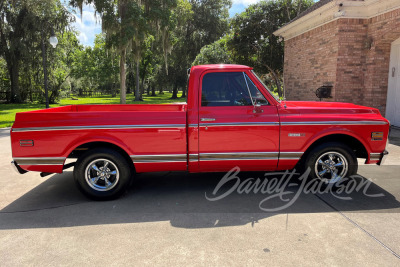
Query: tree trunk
148, 89
161, 91
129, 81
13, 71
153, 91
276, 79
30, 89
137, 89
142, 88
113, 90
143, 79
183, 93
44, 56
122, 74
175, 91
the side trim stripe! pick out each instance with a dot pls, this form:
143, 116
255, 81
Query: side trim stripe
159, 158
335, 123
100, 127
39, 161
239, 156
290, 154
216, 157
240, 124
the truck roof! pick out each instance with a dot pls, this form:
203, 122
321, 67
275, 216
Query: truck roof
220, 66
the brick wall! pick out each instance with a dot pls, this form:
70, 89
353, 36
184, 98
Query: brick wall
353, 38
352, 54
310, 61
383, 30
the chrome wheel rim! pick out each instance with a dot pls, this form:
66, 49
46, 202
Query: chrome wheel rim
330, 167
102, 175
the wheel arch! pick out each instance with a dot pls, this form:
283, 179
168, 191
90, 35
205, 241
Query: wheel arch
79, 149
358, 146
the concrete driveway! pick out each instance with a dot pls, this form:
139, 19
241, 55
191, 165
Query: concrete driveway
165, 219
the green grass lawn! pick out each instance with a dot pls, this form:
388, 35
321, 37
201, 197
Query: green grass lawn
7, 111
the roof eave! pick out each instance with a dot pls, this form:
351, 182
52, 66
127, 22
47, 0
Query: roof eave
284, 30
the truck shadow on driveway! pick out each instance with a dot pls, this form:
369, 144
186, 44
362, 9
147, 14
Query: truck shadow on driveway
181, 199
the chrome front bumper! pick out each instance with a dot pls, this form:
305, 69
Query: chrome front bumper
17, 168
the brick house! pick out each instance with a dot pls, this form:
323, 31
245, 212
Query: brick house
353, 45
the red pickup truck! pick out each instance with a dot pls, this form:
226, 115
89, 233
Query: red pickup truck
230, 119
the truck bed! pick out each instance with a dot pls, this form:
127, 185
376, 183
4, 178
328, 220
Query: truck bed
141, 130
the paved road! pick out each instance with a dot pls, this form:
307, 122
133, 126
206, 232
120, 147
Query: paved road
165, 219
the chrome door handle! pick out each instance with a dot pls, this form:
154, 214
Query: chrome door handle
207, 119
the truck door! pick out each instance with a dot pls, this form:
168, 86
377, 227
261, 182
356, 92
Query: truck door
237, 125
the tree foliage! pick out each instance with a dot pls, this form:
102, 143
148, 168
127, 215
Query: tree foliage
215, 53
23, 25
127, 23
96, 67
253, 42
199, 23
145, 44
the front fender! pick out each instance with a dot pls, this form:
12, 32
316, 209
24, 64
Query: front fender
336, 131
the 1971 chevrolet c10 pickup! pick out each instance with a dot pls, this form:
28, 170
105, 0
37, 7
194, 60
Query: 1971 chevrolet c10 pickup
230, 119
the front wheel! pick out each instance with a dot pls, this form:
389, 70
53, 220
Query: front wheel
102, 174
331, 162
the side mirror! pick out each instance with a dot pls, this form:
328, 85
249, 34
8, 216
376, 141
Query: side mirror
257, 107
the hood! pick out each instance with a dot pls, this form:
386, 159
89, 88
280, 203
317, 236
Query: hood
307, 107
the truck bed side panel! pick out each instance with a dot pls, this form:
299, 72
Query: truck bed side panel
155, 140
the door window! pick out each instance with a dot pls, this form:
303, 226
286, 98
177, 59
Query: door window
256, 95
229, 89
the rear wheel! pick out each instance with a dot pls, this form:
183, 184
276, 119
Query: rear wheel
102, 174
331, 162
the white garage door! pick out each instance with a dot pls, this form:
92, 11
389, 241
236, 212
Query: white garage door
393, 98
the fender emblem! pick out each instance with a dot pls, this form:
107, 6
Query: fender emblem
296, 134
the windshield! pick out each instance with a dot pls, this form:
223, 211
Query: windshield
266, 88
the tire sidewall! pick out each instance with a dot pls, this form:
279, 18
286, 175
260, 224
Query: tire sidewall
100, 153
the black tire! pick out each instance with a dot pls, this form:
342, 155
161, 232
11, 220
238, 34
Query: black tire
342, 154
112, 181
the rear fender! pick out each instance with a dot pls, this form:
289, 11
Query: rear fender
92, 139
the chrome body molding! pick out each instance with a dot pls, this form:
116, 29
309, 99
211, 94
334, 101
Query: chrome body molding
335, 123
99, 127
159, 158
290, 155
240, 124
239, 156
193, 125
150, 126
216, 157
193, 157
375, 156
40, 161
